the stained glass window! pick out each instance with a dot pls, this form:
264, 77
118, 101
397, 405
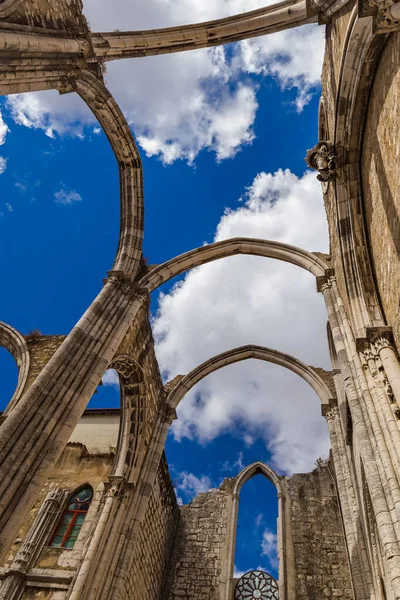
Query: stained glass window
71, 521
257, 584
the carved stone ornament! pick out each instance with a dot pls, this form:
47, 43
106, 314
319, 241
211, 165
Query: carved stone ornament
322, 158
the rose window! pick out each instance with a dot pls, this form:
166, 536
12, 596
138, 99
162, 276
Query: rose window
257, 584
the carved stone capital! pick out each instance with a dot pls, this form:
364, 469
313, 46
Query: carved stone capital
332, 413
169, 414
380, 337
322, 158
125, 284
363, 346
329, 411
324, 281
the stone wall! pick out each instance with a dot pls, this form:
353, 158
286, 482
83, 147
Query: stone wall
41, 349
380, 179
74, 468
335, 38
320, 554
154, 543
197, 560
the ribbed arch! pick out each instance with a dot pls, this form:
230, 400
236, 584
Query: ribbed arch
15, 343
245, 353
232, 247
132, 428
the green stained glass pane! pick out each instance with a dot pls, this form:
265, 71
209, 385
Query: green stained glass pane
84, 495
67, 518
75, 531
84, 506
62, 530
73, 506
70, 542
80, 518
56, 543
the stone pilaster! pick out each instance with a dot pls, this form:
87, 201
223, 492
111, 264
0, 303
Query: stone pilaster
13, 585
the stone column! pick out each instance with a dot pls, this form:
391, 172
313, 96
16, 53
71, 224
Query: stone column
382, 340
13, 585
347, 354
359, 564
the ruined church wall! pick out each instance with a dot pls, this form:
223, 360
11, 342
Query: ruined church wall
199, 551
320, 555
154, 543
335, 35
380, 180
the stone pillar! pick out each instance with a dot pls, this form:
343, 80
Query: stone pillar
360, 569
13, 585
382, 340
347, 355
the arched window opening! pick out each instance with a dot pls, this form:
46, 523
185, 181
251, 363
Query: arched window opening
257, 530
9, 371
72, 519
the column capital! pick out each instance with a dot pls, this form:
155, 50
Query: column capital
324, 281
169, 414
380, 337
125, 284
330, 410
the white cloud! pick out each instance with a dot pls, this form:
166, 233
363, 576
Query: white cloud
67, 197
9, 207
3, 130
110, 377
180, 104
3, 164
253, 300
294, 57
51, 112
190, 485
269, 547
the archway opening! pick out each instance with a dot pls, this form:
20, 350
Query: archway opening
257, 531
9, 379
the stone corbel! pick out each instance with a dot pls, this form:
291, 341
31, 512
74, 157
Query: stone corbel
386, 14
322, 158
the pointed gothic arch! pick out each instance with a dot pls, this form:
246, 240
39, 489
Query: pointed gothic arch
306, 372
132, 429
285, 542
232, 247
16, 345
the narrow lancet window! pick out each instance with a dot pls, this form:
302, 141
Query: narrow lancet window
72, 519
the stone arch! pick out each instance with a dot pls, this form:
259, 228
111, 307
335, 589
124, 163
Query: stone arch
284, 538
232, 247
262, 21
15, 343
132, 428
107, 112
7, 7
245, 353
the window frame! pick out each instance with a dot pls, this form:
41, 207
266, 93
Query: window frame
72, 499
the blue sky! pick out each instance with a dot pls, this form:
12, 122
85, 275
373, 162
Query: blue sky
59, 220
